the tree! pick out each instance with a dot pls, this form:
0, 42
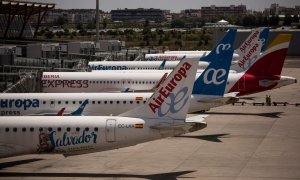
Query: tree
295, 18
60, 21
91, 25
287, 20
49, 34
177, 23
79, 26
274, 20
104, 23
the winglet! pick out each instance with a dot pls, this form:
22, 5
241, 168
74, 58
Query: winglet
79, 111
223, 44
162, 66
171, 100
60, 112
213, 79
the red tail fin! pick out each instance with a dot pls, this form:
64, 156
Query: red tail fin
272, 60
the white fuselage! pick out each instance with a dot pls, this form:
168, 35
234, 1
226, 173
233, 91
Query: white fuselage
19, 104
137, 65
77, 135
117, 81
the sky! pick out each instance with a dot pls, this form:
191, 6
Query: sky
173, 5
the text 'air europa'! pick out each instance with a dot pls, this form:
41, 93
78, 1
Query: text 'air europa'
165, 91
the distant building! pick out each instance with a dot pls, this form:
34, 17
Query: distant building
215, 11
191, 13
276, 10
139, 14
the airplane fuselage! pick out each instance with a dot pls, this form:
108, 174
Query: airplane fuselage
78, 135
16, 104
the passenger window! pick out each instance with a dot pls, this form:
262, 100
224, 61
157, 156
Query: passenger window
124, 102
131, 102
87, 129
7, 129
138, 102
40, 129
59, 102
49, 129
144, 102
31, 129
93, 102
96, 129
52, 102
80, 102
74, 102
59, 129
24, 129
68, 129
44, 102
105, 102
118, 102
67, 102
99, 102
111, 102
77, 129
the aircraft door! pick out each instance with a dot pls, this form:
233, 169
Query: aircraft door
110, 130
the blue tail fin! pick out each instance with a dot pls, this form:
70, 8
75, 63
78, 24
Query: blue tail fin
213, 79
162, 66
227, 39
263, 37
79, 111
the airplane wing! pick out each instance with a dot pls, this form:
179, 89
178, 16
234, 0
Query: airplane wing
163, 78
199, 120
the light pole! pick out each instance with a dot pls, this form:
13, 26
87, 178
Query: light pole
97, 20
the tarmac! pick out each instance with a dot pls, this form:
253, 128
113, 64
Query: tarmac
240, 142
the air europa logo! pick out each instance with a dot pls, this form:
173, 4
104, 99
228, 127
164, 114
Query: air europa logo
103, 67
248, 55
19, 103
164, 92
249, 41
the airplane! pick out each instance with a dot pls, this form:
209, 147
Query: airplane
169, 60
252, 38
67, 135
255, 75
13, 108
205, 94
163, 62
259, 34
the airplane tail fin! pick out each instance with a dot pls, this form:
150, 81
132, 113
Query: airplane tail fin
271, 61
162, 66
223, 44
60, 112
79, 111
213, 79
171, 99
263, 36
